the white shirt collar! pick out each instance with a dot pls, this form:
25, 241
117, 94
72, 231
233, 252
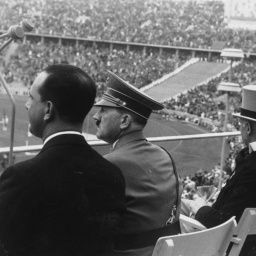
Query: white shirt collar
114, 144
252, 147
61, 133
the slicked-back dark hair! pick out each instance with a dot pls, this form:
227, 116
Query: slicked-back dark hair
70, 89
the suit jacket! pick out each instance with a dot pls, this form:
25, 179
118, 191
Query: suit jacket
64, 201
150, 186
238, 194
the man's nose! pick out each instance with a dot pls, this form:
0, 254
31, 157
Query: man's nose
96, 116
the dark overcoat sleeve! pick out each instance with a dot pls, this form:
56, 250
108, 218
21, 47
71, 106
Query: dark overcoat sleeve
238, 194
15, 199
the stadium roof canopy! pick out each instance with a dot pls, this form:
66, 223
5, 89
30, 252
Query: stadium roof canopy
232, 53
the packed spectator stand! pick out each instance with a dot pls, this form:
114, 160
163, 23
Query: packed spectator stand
178, 23
132, 66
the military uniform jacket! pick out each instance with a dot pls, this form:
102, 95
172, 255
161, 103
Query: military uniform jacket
64, 201
150, 184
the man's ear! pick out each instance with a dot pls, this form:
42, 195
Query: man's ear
249, 128
125, 121
49, 111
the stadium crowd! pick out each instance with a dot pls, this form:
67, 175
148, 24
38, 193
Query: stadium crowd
134, 66
162, 22
208, 178
206, 102
152, 22
204, 106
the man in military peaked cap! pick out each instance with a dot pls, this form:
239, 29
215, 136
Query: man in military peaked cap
152, 184
239, 191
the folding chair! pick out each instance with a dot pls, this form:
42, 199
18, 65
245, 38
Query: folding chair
246, 226
208, 242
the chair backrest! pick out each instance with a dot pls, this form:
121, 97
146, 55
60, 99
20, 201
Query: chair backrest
246, 226
209, 242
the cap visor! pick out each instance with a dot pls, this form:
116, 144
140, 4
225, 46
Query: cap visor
106, 103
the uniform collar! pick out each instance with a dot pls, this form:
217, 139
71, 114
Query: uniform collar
129, 137
252, 147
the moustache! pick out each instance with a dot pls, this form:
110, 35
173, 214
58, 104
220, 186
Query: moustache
97, 122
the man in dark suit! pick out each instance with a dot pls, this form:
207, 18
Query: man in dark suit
240, 189
67, 200
153, 187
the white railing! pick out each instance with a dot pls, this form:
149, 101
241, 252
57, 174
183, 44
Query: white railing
96, 143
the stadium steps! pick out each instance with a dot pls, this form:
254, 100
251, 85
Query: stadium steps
189, 77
